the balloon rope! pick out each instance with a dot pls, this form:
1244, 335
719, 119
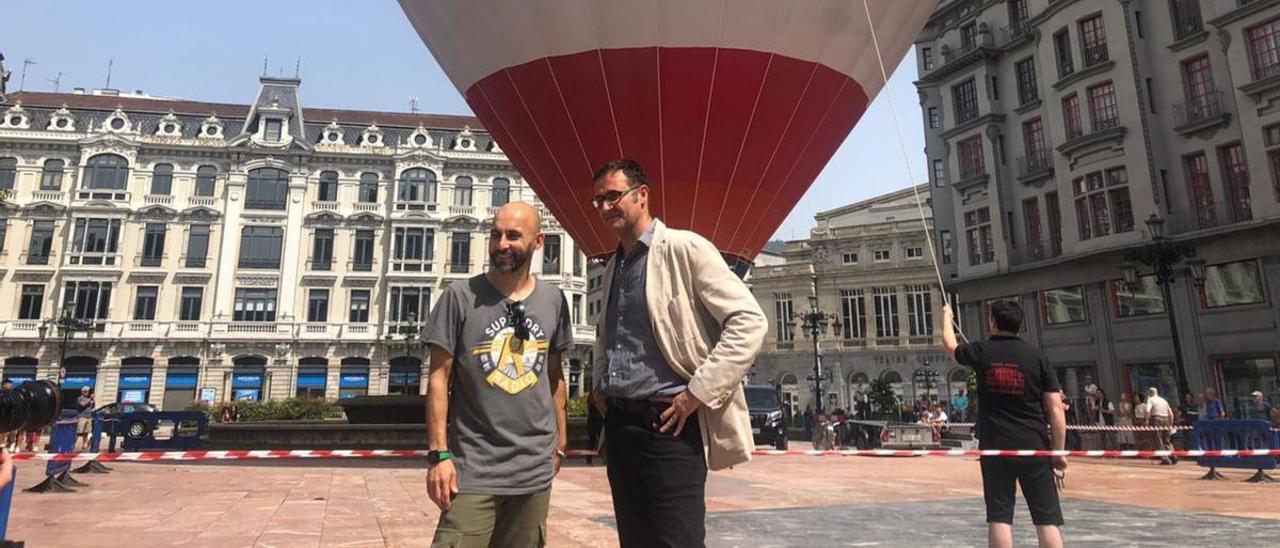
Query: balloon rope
906, 161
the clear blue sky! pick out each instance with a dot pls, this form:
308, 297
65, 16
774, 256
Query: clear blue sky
359, 54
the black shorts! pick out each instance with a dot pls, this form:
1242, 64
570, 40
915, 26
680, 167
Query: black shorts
1035, 474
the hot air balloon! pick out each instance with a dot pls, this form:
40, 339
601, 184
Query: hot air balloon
732, 106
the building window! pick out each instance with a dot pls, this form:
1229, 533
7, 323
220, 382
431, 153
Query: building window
162, 180
417, 188
1026, 72
197, 246
940, 174
462, 191
1272, 134
1236, 172
362, 251
412, 248
95, 242
1055, 223
919, 310
935, 118
578, 261
460, 253
971, 157
153, 244
106, 172
50, 177
1103, 110
1071, 116
915, 253
409, 304
1062, 52
260, 246
359, 306
255, 305
89, 300
1186, 18
1093, 41
368, 188
1144, 300
41, 242
328, 190
274, 128
849, 258
8, 173
1197, 84
1198, 186
1231, 284
948, 247
577, 309
206, 180
965, 98
144, 305
192, 303
501, 192
1264, 49
886, 303
268, 188
1102, 203
977, 225
1034, 145
853, 314
1241, 377
782, 312
968, 36
318, 305
32, 302
322, 249
1063, 306
926, 56
1031, 220
1018, 13
551, 255
881, 255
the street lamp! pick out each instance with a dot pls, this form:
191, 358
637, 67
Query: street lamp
407, 332
927, 376
66, 326
814, 323
1163, 256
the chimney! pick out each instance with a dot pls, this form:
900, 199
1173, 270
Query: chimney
77, 91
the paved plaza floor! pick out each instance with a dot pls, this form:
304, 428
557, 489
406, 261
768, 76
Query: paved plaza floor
773, 501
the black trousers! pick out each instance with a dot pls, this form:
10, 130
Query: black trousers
658, 480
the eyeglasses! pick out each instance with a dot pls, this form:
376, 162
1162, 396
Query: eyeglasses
612, 197
515, 318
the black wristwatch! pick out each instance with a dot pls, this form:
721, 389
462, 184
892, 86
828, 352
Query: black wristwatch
436, 457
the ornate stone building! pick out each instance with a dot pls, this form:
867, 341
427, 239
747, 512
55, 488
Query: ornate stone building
1056, 128
243, 251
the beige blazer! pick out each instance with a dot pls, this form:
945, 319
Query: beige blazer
709, 328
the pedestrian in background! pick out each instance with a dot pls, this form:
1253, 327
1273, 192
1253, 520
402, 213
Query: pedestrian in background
1124, 420
1160, 414
1211, 408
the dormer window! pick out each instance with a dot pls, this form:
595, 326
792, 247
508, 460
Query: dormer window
61, 120
15, 117
272, 129
420, 140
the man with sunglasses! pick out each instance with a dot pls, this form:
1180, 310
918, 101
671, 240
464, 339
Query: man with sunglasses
496, 397
678, 332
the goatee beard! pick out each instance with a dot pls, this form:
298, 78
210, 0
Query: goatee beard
517, 262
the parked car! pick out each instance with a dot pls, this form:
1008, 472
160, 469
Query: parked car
768, 420
112, 409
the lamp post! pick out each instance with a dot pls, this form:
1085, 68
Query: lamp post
66, 326
814, 323
403, 335
926, 375
1164, 256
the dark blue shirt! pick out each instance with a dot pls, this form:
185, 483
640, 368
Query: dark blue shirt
636, 368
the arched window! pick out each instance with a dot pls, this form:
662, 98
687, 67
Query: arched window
462, 191
789, 379
268, 188
106, 172
406, 376
353, 378
328, 191
368, 188
206, 180
8, 172
417, 187
501, 192
51, 177
891, 377
162, 179
313, 374
246, 378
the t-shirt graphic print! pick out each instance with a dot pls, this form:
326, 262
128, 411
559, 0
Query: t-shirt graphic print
509, 363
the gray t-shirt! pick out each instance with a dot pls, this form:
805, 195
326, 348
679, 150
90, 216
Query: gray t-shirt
502, 422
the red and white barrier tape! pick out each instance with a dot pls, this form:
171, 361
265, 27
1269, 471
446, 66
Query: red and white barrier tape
1108, 428
149, 456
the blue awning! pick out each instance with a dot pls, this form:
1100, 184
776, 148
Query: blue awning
19, 379
180, 380
78, 381
354, 380
311, 380
246, 381
134, 382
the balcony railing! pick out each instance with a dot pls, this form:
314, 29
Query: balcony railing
362, 207
49, 196
975, 170
1095, 55
208, 201
1015, 31
93, 259
1187, 22
149, 261
246, 262
1198, 109
163, 199
193, 262
270, 205
410, 265
1035, 164
1104, 124
324, 205
359, 265
118, 195
459, 268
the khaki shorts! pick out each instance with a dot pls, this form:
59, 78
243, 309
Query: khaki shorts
515, 521
84, 425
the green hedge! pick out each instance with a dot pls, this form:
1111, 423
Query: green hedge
274, 410
578, 406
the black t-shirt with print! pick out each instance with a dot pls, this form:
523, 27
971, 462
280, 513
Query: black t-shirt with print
1012, 379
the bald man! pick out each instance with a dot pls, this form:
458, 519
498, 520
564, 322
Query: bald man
496, 396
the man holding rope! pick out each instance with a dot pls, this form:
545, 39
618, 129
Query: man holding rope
1017, 395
